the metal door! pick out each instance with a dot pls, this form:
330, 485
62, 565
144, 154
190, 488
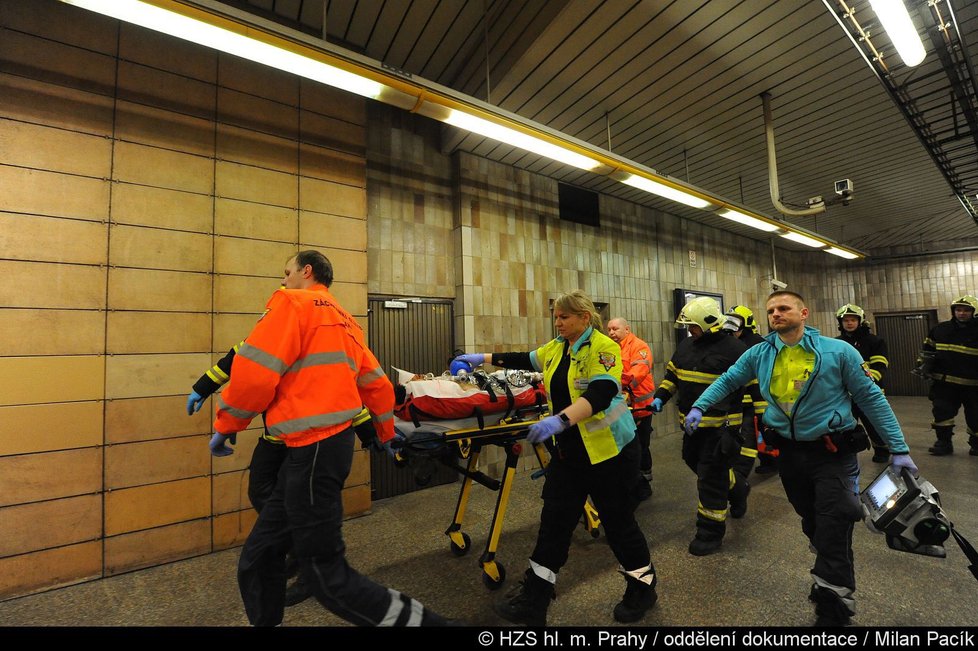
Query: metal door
414, 335
904, 333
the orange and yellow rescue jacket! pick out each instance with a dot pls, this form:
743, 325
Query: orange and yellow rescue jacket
636, 357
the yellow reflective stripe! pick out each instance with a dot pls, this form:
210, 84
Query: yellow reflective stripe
754, 381
954, 348
731, 478
879, 359
953, 379
748, 452
216, 374
943, 423
928, 341
876, 375
671, 367
696, 376
716, 516
362, 417
666, 385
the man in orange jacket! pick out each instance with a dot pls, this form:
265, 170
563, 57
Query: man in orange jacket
307, 366
637, 381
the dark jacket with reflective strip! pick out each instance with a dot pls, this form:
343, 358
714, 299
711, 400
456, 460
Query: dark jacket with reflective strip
307, 365
872, 349
696, 364
956, 345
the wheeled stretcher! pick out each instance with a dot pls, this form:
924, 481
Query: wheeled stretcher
450, 441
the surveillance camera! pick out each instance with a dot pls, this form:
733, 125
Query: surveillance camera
777, 284
843, 187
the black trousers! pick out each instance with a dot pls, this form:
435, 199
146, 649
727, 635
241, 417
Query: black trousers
713, 481
643, 432
946, 399
610, 485
266, 461
823, 488
306, 509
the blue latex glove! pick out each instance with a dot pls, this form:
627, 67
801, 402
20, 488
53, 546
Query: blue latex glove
467, 362
391, 447
898, 461
218, 444
194, 402
693, 419
656, 405
543, 429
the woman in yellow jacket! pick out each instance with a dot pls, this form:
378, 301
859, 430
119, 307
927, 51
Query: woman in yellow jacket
595, 453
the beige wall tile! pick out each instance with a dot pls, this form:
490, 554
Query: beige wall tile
243, 449
257, 114
152, 462
51, 475
232, 529
332, 198
162, 168
169, 291
55, 426
27, 380
332, 165
42, 525
332, 101
229, 329
137, 376
352, 296
145, 419
49, 239
50, 568
28, 332
243, 294
356, 500
158, 50
41, 103
158, 332
61, 23
134, 246
257, 149
50, 193
146, 507
332, 133
255, 220
158, 127
263, 81
153, 87
148, 206
134, 551
55, 150
348, 266
333, 231
45, 60
236, 181
231, 492
233, 255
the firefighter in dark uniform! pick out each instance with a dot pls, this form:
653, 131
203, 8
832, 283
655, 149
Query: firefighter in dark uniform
854, 330
949, 358
741, 324
713, 449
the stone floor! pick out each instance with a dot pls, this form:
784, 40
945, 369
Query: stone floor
760, 578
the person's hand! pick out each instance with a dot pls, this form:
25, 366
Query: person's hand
543, 429
194, 402
656, 405
898, 461
693, 419
218, 444
391, 447
626, 379
467, 362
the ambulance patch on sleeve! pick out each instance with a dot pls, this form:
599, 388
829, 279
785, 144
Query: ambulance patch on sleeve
607, 360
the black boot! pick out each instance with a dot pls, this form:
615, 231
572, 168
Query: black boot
738, 499
527, 603
643, 490
942, 446
298, 592
973, 444
700, 547
639, 597
829, 609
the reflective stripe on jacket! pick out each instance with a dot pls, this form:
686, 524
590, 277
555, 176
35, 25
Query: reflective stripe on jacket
593, 357
306, 365
636, 357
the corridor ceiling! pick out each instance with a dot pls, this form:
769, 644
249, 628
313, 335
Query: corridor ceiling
675, 85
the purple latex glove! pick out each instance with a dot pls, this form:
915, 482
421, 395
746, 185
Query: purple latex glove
898, 461
218, 444
543, 429
693, 419
467, 362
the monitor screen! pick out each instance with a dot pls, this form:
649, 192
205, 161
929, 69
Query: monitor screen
882, 490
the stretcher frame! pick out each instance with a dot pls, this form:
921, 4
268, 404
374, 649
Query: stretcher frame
508, 434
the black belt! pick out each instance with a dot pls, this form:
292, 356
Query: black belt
850, 441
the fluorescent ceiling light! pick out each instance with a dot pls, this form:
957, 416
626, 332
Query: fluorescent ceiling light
802, 239
842, 253
519, 139
900, 28
747, 220
666, 191
246, 47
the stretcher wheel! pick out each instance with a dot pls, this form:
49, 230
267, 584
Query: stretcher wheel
492, 583
462, 551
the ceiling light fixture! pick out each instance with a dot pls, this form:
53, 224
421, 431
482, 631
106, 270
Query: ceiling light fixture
842, 253
899, 27
232, 31
803, 239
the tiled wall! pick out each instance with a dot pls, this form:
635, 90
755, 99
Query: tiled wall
152, 192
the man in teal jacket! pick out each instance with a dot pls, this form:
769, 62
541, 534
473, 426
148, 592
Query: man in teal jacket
810, 383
